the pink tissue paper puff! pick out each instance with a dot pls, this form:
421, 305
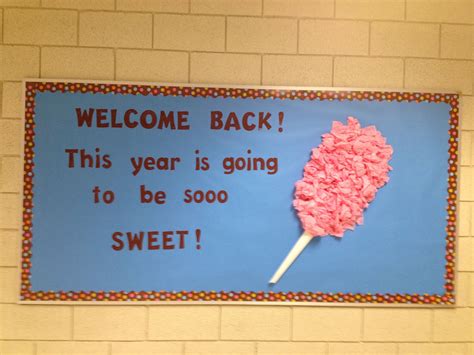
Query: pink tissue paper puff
342, 178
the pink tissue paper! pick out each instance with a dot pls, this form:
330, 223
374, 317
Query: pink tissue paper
342, 178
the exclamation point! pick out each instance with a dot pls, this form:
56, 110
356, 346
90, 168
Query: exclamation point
198, 239
281, 116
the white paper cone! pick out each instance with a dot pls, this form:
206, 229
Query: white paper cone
291, 257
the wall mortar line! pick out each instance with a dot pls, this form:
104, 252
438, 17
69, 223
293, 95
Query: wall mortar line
115, 63
298, 36
3, 26
439, 40
72, 322
404, 73
370, 38
315, 18
147, 323
152, 30
219, 324
291, 323
432, 325
333, 70
225, 34
39, 61
189, 66
77, 27
293, 54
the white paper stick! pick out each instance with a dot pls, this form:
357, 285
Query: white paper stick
292, 255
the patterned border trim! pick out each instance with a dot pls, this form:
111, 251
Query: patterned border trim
271, 94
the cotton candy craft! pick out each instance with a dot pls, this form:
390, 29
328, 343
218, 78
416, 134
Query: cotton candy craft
339, 181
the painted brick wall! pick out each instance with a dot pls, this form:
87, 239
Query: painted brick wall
412, 44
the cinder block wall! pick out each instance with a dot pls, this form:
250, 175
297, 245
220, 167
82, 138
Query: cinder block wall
412, 44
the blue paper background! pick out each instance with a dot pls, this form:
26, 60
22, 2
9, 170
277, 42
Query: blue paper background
399, 249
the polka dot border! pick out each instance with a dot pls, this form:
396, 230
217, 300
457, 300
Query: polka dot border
32, 88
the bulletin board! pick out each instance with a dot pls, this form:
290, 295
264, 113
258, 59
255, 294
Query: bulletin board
159, 193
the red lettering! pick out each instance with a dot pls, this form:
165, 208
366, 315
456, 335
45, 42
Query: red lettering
102, 118
232, 122
143, 119
245, 121
115, 124
263, 118
116, 238
152, 239
183, 120
216, 120
182, 235
135, 240
84, 117
167, 240
166, 120
127, 120
71, 153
